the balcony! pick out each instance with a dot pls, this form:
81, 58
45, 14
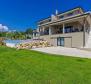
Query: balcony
60, 31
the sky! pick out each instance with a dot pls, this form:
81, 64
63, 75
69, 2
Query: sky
22, 14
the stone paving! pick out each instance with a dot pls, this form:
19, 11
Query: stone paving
65, 51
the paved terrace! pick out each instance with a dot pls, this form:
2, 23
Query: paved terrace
65, 51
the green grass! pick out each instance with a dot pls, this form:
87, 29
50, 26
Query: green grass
30, 67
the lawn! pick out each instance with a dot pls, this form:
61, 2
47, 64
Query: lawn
31, 67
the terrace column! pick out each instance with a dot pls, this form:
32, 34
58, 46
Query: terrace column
84, 30
43, 30
50, 31
63, 28
38, 30
33, 34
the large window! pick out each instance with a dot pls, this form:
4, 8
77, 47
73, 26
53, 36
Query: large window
68, 29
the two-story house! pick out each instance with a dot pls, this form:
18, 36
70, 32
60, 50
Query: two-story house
68, 29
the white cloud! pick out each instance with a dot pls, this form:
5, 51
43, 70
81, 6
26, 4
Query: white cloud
3, 28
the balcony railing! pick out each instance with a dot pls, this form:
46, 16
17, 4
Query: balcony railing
67, 30
44, 33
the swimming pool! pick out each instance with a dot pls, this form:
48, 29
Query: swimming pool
12, 43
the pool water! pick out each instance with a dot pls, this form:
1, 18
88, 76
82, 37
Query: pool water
12, 43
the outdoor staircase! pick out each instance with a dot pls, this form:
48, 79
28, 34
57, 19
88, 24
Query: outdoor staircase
88, 44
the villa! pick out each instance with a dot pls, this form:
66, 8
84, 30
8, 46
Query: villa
68, 29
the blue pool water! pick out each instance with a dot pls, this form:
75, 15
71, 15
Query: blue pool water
13, 41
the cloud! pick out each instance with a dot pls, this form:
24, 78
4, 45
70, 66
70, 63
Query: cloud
3, 28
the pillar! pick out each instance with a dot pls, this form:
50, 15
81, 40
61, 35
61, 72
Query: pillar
84, 30
63, 28
50, 31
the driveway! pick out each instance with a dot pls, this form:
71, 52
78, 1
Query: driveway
65, 51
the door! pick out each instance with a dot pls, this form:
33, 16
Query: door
60, 41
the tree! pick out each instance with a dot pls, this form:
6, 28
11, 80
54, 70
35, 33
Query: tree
29, 31
2, 34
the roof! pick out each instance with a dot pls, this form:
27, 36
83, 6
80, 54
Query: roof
63, 13
87, 13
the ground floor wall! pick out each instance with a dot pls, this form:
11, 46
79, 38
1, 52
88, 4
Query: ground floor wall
70, 39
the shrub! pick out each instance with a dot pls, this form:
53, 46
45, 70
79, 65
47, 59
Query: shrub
1, 42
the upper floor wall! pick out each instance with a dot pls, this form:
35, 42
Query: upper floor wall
70, 13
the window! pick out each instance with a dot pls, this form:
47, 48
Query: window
70, 14
78, 12
61, 16
68, 29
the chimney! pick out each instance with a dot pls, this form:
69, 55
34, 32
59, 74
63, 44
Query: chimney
54, 16
56, 12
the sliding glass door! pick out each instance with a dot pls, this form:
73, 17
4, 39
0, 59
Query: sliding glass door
60, 41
